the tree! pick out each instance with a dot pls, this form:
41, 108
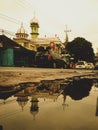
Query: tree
80, 49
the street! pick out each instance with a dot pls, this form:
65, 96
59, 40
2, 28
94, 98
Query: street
15, 75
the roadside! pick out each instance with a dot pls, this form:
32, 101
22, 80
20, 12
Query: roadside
9, 76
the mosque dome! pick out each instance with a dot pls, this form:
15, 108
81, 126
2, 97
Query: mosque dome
22, 101
21, 32
21, 29
34, 20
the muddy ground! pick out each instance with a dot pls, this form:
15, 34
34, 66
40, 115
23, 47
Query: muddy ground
12, 76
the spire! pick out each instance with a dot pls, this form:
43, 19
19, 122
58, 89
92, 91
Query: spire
21, 24
34, 19
66, 33
34, 13
66, 40
64, 100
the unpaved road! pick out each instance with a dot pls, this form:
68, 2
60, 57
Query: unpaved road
15, 75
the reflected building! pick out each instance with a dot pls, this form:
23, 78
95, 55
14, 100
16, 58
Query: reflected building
22, 98
22, 101
64, 104
34, 109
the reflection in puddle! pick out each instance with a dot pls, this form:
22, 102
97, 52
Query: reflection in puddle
76, 89
79, 89
34, 106
35, 99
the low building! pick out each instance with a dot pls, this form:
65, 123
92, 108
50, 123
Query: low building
13, 54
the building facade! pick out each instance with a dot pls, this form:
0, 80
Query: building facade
13, 54
34, 41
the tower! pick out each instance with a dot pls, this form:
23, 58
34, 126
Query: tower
34, 28
66, 36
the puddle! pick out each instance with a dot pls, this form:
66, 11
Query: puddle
70, 103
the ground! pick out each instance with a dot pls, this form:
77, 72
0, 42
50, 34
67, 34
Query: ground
15, 75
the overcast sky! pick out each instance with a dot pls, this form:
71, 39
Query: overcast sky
81, 17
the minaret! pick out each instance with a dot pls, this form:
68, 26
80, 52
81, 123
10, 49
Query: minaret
34, 28
66, 36
34, 109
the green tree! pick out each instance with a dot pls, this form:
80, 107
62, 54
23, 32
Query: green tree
80, 49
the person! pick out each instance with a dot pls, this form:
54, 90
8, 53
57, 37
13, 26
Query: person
71, 65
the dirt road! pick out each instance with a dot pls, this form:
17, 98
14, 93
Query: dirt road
15, 75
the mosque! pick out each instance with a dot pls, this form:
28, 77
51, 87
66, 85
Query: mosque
34, 41
20, 51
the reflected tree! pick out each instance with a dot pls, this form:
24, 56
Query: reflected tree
79, 89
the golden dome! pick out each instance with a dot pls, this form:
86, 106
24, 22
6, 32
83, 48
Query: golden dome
21, 29
34, 20
21, 32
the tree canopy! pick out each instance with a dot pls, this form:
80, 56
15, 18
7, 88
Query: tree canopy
80, 49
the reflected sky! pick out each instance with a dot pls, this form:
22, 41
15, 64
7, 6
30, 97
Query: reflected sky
32, 109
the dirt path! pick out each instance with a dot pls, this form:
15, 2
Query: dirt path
18, 75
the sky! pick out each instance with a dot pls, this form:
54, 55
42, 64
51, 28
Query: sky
80, 16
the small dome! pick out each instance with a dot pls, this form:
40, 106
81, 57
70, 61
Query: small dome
34, 20
21, 32
21, 29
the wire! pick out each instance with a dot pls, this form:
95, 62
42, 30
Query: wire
25, 4
7, 32
9, 19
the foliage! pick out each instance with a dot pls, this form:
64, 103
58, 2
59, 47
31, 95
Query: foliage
80, 49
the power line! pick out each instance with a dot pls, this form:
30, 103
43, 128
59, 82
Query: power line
3, 16
3, 31
25, 4
21, 4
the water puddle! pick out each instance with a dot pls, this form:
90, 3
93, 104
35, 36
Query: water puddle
70, 103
